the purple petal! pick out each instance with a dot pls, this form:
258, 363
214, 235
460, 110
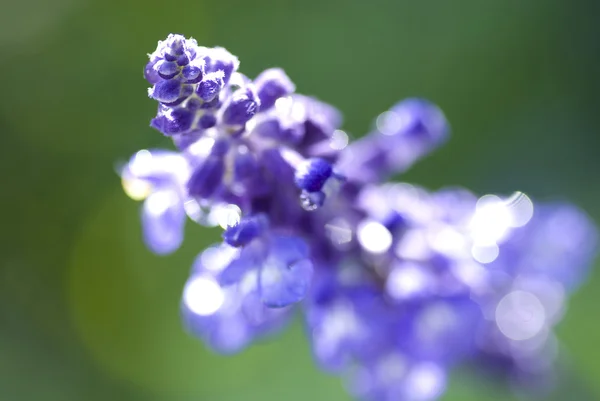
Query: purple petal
245, 231
167, 69
284, 284
210, 86
286, 274
207, 178
242, 107
163, 219
219, 59
312, 174
272, 84
166, 91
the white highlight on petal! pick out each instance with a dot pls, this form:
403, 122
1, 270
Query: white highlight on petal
293, 158
212, 215
203, 296
249, 282
141, 163
146, 167
491, 221
425, 381
201, 148
471, 273
414, 245
135, 188
251, 125
520, 315
485, 253
390, 122
160, 201
227, 215
406, 281
271, 273
494, 217
374, 237
283, 105
339, 140
216, 258
193, 210
448, 241
339, 322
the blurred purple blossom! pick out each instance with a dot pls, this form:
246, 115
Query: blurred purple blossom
397, 284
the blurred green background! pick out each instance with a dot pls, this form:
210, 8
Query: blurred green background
86, 313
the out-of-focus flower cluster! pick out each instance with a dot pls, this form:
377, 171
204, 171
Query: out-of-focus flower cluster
396, 284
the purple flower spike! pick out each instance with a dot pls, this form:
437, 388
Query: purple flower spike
396, 284
175, 49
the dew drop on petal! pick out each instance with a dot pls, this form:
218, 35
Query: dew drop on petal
520, 207
227, 215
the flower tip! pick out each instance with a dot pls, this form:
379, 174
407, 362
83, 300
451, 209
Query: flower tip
312, 174
242, 107
244, 231
417, 117
271, 85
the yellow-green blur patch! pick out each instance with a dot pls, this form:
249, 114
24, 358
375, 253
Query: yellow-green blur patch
125, 306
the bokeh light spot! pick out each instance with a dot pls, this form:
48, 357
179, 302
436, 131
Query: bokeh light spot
520, 315
203, 296
374, 237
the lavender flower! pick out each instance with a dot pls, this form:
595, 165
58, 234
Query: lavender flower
397, 284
